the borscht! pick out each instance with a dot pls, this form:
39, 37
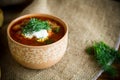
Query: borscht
37, 31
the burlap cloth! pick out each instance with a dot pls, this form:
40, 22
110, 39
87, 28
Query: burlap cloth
88, 21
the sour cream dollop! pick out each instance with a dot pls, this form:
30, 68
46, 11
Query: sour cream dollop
39, 34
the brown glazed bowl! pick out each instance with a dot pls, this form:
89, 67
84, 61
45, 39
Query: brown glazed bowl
38, 57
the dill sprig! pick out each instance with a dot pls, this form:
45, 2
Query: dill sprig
104, 54
35, 25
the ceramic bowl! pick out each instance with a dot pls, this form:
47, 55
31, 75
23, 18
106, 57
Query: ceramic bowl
38, 57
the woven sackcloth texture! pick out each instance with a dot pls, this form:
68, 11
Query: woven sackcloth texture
88, 21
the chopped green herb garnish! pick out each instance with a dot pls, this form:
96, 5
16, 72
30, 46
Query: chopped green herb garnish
35, 25
56, 30
104, 55
49, 41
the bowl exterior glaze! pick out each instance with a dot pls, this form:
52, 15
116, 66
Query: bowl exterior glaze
38, 57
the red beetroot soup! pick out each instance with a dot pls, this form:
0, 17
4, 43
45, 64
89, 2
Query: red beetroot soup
15, 32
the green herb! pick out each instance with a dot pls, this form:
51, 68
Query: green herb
49, 41
104, 55
56, 30
35, 25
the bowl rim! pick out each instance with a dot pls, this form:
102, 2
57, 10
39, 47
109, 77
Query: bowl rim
36, 15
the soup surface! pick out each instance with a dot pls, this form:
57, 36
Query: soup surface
55, 32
